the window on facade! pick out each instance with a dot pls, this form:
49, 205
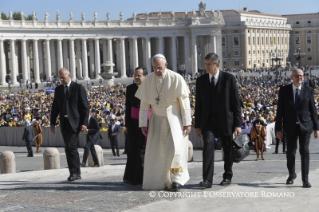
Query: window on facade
257, 40
248, 40
236, 63
236, 53
282, 40
309, 22
257, 51
309, 32
278, 40
297, 22
309, 58
258, 61
308, 49
223, 41
236, 41
248, 52
297, 40
224, 53
262, 40
249, 62
286, 40
267, 51
253, 51
266, 40
253, 40
236, 31
308, 39
267, 60
224, 62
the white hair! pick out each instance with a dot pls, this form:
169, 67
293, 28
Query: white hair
160, 56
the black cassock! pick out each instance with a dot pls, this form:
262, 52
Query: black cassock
136, 140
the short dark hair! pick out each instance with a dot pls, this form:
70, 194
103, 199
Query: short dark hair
212, 56
144, 70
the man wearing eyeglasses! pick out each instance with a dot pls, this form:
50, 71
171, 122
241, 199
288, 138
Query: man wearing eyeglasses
297, 115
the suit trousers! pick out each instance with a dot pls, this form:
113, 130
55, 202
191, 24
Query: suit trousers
304, 139
90, 147
29, 148
71, 147
209, 135
114, 145
283, 144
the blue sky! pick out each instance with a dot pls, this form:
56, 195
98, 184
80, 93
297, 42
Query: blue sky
140, 6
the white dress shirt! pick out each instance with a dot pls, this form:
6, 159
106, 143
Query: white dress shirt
216, 77
294, 90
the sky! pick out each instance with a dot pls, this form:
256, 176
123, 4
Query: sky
114, 7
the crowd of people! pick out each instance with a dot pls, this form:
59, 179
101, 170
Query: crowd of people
258, 95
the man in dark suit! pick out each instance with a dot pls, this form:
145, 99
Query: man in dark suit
217, 113
28, 136
113, 131
297, 116
93, 136
136, 140
70, 101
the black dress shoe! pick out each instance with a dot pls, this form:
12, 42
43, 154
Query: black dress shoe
283, 152
290, 179
124, 153
96, 165
275, 153
176, 187
118, 155
205, 184
82, 164
79, 177
306, 184
73, 177
225, 182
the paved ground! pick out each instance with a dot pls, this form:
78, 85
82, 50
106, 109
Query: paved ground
102, 189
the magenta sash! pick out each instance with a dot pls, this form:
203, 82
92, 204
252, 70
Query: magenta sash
135, 112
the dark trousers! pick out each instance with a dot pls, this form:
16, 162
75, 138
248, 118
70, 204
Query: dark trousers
90, 147
283, 144
209, 134
29, 148
303, 150
114, 145
71, 147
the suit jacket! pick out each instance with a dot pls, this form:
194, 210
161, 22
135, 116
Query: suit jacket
28, 134
78, 107
131, 101
93, 131
116, 131
227, 100
287, 113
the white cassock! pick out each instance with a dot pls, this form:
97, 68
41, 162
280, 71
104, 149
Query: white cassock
166, 148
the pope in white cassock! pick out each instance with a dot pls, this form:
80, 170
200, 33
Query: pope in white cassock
166, 92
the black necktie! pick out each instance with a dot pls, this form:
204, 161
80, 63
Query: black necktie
213, 82
65, 100
297, 97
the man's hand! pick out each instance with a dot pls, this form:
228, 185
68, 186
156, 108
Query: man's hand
83, 128
237, 131
144, 130
125, 130
198, 132
52, 128
316, 133
187, 130
280, 135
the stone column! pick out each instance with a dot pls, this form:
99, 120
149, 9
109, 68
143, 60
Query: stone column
122, 55
48, 58
13, 63
24, 61
104, 48
110, 52
187, 55
213, 44
85, 60
28, 60
174, 59
78, 58
36, 62
41, 59
2, 64
135, 53
97, 59
65, 54
194, 55
72, 60
219, 49
118, 55
53, 56
59, 55
91, 49
160, 45
148, 55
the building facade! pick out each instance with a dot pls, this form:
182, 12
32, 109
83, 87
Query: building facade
35, 50
304, 38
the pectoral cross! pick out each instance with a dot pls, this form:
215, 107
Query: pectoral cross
157, 100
